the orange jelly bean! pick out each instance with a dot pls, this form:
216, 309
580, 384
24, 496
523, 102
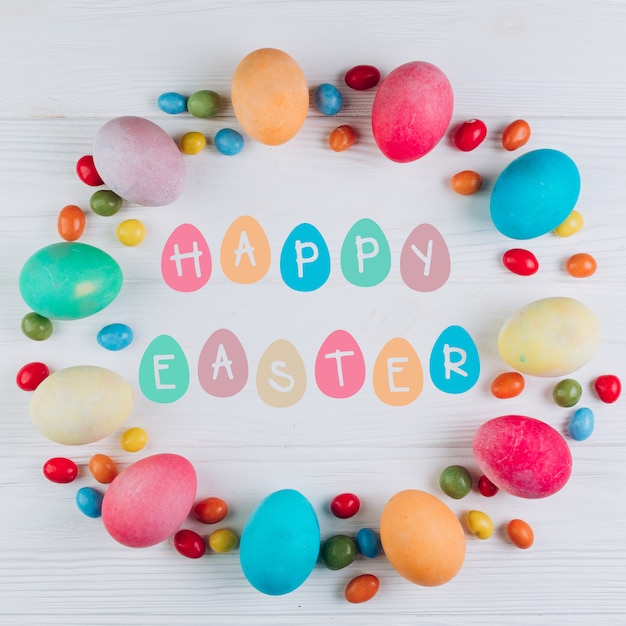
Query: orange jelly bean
71, 222
520, 533
211, 510
362, 588
341, 138
515, 135
581, 265
507, 385
466, 182
103, 468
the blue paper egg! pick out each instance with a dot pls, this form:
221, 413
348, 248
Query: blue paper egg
534, 194
280, 543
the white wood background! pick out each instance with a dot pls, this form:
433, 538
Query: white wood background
68, 66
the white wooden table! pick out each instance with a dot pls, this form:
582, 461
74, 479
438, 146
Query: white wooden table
69, 66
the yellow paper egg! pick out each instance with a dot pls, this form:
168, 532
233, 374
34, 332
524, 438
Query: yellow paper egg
270, 96
422, 538
550, 337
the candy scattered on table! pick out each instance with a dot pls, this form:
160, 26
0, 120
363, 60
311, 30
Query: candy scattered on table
466, 182
204, 103
581, 265
520, 261
71, 222
210, 510
516, 135
486, 487
470, 134
86, 170
105, 202
567, 392
341, 138
362, 588
172, 103
134, 439
455, 481
36, 327
338, 551
223, 540
479, 524
345, 505
31, 375
368, 542
192, 142
60, 470
131, 232
327, 99
103, 468
89, 501
362, 77
581, 424
520, 533
228, 141
572, 224
608, 387
115, 336
189, 543
507, 385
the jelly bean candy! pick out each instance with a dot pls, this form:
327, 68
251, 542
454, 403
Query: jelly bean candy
172, 103
362, 77
31, 375
520, 533
228, 141
580, 425
480, 524
223, 540
521, 262
338, 551
466, 182
131, 232
515, 135
327, 99
204, 103
608, 387
455, 481
210, 510
36, 327
362, 588
189, 543
507, 385
115, 337
368, 542
345, 505
486, 487
470, 134
581, 265
567, 392
60, 470
134, 439
103, 468
341, 138
86, 170
105, 202
192, 142
572, 224
89, 501
71, 222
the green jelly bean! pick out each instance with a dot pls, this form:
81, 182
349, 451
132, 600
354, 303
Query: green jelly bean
204, 103
338, 551
105, 202
567, 392
455, 481
36, 327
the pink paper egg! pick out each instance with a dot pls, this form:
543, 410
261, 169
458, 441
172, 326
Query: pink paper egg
411, 111
139, 161
523, 456
149, 500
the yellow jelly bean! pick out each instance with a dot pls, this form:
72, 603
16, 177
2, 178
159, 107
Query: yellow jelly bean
480, 524
223, 540
192, 143
131, 232
134, 439
572, 224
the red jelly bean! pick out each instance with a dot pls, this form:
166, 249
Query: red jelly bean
470, 135
608, 387
31, 375
486, 487
87, 172
520, 261
189, 543
362, 77
345, 505
210, 510
60, 470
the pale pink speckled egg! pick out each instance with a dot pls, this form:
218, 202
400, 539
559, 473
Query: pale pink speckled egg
149, 500
139, 161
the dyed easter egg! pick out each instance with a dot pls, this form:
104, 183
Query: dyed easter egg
81, 404
149, 500
523, 456
69, 280
534, 194
115, 336
139, 161
270, 96
280, 543
549, 337
186, 263
412, 110
422, 538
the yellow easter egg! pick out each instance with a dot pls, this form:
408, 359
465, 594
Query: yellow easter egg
270, 96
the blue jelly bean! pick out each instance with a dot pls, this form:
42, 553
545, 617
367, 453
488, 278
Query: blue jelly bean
228, 141
172, 103
368, 542
328, 99
581, 424
115, 337
89, 501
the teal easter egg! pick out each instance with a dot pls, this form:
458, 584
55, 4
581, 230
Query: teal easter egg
69, 280
534, 194
280, 543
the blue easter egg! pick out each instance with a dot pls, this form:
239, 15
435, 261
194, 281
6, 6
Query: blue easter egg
305, 259
89, 501
328, 99
581, 424
280, 543
534, 194
454, 361
115, 336
172, 103
228, 141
